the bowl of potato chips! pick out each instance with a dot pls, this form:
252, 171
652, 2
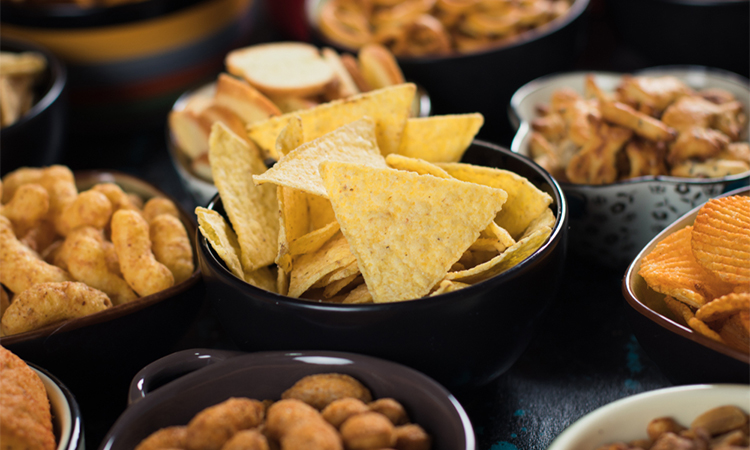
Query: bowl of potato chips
370, 218
634, 152
688, 296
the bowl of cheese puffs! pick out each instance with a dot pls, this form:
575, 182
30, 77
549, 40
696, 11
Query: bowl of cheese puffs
97, 269
305, 399
369, 220
634, 152
687, 293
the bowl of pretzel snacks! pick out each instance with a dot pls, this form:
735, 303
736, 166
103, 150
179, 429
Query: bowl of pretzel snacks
688, 293
461, 51
634, 152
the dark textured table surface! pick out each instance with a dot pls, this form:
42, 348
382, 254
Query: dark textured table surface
583, 356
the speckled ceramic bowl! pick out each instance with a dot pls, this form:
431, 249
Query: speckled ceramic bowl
683, 355
611, 223
171, 390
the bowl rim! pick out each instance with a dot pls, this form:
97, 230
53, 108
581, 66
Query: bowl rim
109, 314
631, 274
576, 10
524, 128
209, 256
58, 73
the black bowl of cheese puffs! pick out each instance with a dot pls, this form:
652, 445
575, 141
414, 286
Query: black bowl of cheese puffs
203, 398
402, 256
97, 270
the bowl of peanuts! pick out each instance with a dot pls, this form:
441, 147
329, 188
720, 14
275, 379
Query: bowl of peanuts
97, 269
461, 51
208, 398
710, 416
634, 152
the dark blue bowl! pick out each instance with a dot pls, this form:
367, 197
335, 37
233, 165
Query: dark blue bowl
463, 339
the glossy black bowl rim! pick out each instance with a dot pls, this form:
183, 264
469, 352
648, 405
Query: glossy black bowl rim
226, 276
58, 72
76, 433
576, 10
632, 299
72, 16
118, 311
706, 3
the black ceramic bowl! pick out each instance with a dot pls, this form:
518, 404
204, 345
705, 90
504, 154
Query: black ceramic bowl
67, 422
484, 81
37, 138
172, 390
684, 356
96, 350
711, 33
462, 339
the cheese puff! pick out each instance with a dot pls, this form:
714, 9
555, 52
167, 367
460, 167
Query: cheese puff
17, 178
141, 270
246, 440
116, 196
283, 414
110, 255
211, 428
48, 303
21, 267
157, 206
368, 430
90, 208
4, 303
312, 435
40, 236
171, 246
136, 200
27, 207
86, 260
169, 437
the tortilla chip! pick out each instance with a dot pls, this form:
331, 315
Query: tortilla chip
222, 238
405, 229
263, 278
353, 142
311, 267
440, 138
289, 138
321, 211
525, 201
389, 107
546, 219
419, 166
282, 281
313, 240
335, 287
448, 286
358, 295
294, 221
252, 210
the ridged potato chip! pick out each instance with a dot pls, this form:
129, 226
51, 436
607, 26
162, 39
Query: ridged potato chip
723, 307
736, 331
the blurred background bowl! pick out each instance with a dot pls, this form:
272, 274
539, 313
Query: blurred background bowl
683, 355
99, 350
463, 339
67, 422
37, 138
611, 223
128, 63
172, 390
625, 420
484, 81
711, 33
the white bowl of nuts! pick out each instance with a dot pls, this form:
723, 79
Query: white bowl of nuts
708, 415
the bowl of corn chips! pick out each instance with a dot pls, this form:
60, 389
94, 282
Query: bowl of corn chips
33, 101
688, 297
370, 219
634, 152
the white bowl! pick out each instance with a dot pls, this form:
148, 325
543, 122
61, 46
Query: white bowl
626, 419
612, 223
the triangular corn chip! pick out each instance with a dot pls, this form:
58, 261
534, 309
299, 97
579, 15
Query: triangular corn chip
446, 286
221, 237
389, 107
252, 210
311, 267
290, 137
263, 278
417, 165
440, 138
353, 142
405, 229
313, 240
294, 221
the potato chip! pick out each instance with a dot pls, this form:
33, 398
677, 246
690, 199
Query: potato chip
313, 240
525, 201
358, 295
252, 210
405, 229
294, 221
389, 107
504, 261
440, 138
446, 286
721, 238
419, 166
311, 267
682, 312
221, 237
353, 142
701, 328
671, 269
723, 307
736, 331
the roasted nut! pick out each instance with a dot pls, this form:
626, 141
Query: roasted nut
412, 437
720, 420
321, 389
657, 427
369, 430
390, 408
339, 410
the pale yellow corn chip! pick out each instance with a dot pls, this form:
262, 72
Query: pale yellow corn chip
405, 229
389, 107
289, 138
440, 138
446, 286
545, 219
499, 233
353, 142
294, 221
311, 267
419, 166
358, 295
335, 287
525, 201
252, 210
321, 211
282, 281
221, 237
263, 278
313, 240
337, 275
